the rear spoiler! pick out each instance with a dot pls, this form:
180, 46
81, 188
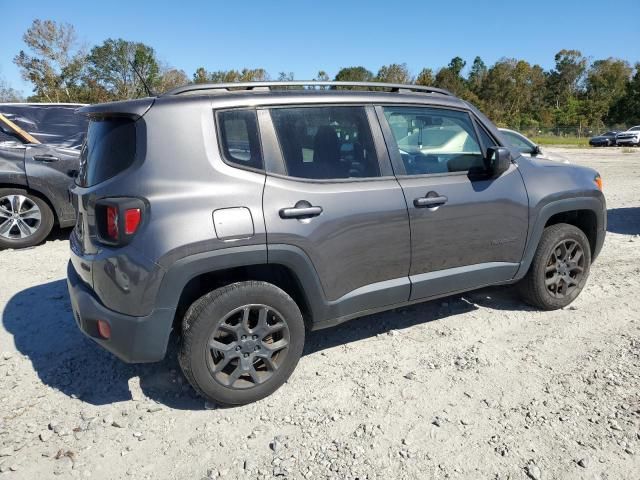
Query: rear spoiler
127, 108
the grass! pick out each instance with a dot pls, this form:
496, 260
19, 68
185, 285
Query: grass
576, 142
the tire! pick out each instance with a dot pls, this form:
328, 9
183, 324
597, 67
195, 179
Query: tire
556, 277
31, 225
238, 371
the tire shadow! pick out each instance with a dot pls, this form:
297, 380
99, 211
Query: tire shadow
624, 220
43, 328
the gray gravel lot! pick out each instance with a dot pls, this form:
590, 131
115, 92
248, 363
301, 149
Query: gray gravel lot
472, 386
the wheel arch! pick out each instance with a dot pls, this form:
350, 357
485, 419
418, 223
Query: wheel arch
284, 266
586, 213
42, 196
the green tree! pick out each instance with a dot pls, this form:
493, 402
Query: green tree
477, 75
626, 111
112, 64
425, 77
354, 74
53, 62
322, 76
605, 84
565, 81
394, 73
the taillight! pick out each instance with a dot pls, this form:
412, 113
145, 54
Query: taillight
132, 217
118, 219
112, 223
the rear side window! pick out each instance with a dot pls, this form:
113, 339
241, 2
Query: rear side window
110, 148
239, 138
326, 142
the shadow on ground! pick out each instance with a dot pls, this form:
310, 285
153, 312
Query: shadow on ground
43, 329
624, 220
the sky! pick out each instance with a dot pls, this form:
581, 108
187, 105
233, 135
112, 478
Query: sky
304, 37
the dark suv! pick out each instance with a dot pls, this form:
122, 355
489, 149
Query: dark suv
241, 215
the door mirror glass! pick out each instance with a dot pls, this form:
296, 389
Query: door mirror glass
536, 150
499, 160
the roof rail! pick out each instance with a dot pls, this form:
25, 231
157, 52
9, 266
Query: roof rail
267, 86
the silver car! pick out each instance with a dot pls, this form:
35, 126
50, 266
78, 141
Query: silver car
529, 148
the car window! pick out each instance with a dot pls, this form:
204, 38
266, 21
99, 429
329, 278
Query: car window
432, 140
326, 142
634, 129
518, 141
240, 140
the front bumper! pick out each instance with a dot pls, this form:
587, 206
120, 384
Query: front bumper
628, 141
133, 339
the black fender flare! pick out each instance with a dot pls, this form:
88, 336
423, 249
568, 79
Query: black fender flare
594, 204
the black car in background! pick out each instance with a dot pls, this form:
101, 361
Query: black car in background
607, 139
39, 158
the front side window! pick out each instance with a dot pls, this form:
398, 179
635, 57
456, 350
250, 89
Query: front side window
432, 140
240, 140
326, 142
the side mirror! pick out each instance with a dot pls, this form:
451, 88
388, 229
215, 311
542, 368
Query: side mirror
498, 160
536, 150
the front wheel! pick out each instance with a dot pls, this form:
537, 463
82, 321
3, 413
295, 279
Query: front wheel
241, 342
25, 219
559, 269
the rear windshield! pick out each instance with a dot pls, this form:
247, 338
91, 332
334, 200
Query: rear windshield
109, 149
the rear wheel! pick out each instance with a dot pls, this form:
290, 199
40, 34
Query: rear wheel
559, 269
25, 219
241, 342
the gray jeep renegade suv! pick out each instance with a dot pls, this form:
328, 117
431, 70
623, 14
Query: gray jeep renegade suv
241, 215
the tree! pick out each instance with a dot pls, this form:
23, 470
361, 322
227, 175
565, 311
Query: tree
626, 110
606, 83
354, 74
54, 62
171, 78
115, 66
456, 65
322, 76
477, 75
8, 94
425, 77
566, 80
200, 76
394, 73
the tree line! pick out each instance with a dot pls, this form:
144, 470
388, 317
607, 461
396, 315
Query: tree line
512, 92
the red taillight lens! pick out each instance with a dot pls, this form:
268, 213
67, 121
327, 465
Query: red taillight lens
132, 219
112, 222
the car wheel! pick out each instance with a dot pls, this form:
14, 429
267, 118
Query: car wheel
25, 219
559, 269
241, 342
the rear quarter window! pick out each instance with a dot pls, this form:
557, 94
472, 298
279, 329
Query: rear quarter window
239, 138
110, 148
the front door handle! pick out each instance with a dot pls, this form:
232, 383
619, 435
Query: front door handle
302, 211
422, 202
46, 158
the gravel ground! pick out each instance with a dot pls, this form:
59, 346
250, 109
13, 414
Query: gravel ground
472, 386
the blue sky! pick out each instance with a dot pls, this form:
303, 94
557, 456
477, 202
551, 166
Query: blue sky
304, 37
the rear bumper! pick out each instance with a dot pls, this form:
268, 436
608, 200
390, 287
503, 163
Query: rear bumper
133, 339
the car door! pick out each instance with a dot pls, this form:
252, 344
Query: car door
467, 229
331, 194
51, 169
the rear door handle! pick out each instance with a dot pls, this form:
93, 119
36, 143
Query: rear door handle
46, 158
297, 212
422, 202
